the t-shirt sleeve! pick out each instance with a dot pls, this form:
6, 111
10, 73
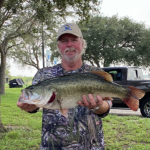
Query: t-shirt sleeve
38, 77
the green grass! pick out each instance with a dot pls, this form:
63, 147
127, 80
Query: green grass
126, 132
24, 129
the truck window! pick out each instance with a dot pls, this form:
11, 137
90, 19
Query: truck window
140, 74
115, 73
131, 74
135, 74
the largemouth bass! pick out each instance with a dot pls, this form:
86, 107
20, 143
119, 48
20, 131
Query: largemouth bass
65, 91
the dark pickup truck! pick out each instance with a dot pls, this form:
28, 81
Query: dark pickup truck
131, 76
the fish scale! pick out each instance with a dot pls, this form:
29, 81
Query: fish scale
65, 91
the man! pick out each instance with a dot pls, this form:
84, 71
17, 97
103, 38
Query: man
78, 128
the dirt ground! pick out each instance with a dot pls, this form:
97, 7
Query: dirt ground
125, 111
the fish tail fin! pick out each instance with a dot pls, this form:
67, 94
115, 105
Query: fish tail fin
132, 100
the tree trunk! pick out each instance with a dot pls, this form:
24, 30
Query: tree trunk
1, 3
2, 74
2, 128
97, 63
3, 66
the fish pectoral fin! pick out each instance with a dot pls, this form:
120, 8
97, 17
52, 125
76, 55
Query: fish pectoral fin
104, 74
63, 111
59, 103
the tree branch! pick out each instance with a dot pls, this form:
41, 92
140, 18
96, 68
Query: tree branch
5, 17
20, 27
14, 45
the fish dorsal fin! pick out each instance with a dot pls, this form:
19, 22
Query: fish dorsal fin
104, 74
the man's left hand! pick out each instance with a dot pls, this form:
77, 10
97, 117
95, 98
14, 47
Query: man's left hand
93, 103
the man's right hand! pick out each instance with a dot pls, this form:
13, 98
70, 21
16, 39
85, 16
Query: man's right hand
27, 107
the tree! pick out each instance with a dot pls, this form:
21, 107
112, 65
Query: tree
14, 26
29, 52
7, 71
9, 32
140, 56
18, 17
2, 128
82, 8
1, 3
110, 39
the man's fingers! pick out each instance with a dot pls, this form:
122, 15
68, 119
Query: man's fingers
19, 104
26, 107
85, 101
80, 103
99, 100
92, 101
30, 108
23, 106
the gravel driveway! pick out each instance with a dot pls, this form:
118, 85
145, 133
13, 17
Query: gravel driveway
124, 111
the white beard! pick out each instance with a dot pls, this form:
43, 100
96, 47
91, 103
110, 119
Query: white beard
74, 58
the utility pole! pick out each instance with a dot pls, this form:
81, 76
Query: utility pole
43, 46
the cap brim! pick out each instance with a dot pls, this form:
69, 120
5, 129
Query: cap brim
67, 33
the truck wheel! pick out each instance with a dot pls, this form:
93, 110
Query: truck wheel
145, 107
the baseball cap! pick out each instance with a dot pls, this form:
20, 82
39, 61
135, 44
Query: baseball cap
70, 28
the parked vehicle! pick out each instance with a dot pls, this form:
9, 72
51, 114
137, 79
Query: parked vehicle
18, 82
131, 76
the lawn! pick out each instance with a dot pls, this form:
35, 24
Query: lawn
24, 130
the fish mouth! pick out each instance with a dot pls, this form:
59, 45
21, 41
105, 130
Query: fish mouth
52, 98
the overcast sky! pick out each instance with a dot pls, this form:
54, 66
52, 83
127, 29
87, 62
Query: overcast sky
138, 10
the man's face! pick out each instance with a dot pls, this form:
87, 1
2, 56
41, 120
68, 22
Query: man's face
70, 47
